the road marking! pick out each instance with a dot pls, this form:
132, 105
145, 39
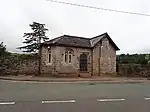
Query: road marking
109, 100
7, 103
147, 98
67, 101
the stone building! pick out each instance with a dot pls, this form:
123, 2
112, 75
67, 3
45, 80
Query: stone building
78, 56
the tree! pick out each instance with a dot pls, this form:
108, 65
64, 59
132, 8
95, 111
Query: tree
33, 39
2, 50
133, 59
3, 54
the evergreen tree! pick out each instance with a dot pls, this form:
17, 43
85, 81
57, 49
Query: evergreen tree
34, 39
2, 50
2, 57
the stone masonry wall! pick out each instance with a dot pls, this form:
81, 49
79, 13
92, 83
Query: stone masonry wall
27, 66
96, 59
59, 67
104, 58
47, 68
133, 70
108, 57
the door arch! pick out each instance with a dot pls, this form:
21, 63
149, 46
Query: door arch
83, 62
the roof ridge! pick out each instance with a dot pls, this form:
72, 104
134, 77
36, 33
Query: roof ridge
77, 37
98, 35
96, 39
53, 39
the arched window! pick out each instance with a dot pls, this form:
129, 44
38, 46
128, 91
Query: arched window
83, 62
49, 57
68, 56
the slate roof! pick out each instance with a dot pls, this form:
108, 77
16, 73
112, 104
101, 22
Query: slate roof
75, 41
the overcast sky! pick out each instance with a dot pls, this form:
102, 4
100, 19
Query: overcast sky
130, 32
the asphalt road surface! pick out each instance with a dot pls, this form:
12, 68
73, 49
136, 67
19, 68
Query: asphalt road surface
69, 97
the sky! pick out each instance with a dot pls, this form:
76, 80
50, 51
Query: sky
130, 32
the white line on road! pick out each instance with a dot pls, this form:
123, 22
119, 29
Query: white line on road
109, 100
7, 103
68, 101
147, 98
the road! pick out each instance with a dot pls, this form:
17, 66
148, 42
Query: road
73, 97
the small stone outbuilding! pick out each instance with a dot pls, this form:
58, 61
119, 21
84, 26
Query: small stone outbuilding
78, 56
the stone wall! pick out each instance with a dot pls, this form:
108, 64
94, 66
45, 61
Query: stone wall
27, 66
104, 58
58, 66
47, 68
73, 67
133, 70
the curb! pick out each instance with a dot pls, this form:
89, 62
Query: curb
92, 82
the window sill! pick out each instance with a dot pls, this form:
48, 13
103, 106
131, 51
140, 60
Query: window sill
49, 64
68, 64
84, 71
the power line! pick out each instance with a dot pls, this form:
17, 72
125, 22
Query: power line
99, 8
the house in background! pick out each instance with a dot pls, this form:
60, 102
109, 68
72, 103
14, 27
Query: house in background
78, 56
